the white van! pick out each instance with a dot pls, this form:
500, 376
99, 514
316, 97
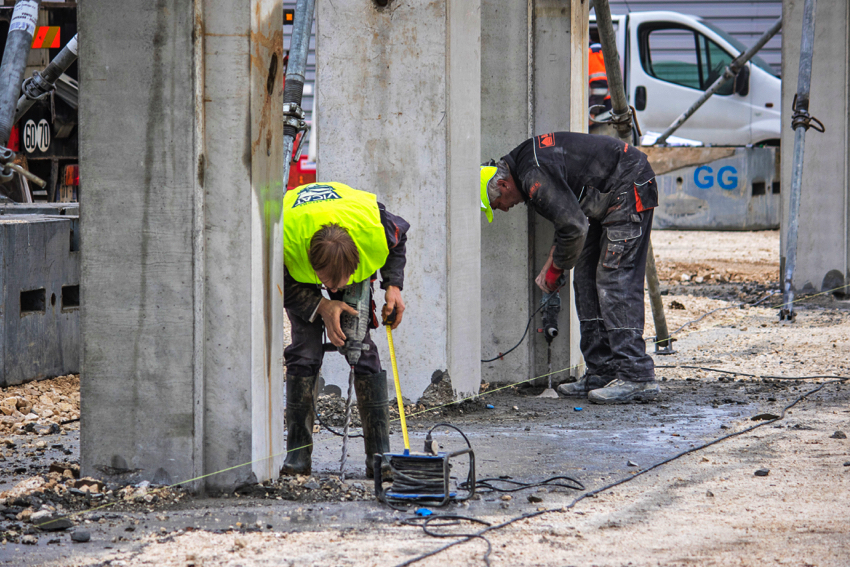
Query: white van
669, 59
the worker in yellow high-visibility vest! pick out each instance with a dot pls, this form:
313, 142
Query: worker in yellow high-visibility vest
335, 236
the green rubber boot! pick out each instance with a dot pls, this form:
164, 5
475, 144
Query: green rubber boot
300, 415
373, 405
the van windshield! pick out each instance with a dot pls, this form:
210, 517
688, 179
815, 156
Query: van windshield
758, 61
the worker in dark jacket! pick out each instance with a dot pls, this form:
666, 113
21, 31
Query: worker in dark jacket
599, 193
335, 236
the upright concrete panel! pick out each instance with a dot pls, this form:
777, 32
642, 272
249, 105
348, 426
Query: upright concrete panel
242, 172
505, 267
823, 247
136, 140
463, 70
181, 173
398, 99
267, 189
533, 68
552, 98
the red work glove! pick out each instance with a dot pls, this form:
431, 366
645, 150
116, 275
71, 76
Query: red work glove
552, 277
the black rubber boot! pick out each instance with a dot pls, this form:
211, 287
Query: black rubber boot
300, 415
373, 405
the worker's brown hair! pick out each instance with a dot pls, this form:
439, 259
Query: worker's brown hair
333, 250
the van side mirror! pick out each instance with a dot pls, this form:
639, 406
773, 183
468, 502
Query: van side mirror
742, 81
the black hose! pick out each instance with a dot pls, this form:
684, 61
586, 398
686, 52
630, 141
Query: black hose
14, 63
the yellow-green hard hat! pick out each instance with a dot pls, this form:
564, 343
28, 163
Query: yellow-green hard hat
487, 173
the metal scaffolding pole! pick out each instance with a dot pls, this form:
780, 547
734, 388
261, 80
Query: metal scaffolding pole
293, 115
801, 121
621, 119
18, 42
731, 72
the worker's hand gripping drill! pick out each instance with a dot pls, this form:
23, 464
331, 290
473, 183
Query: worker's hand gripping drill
354, 316
549, 279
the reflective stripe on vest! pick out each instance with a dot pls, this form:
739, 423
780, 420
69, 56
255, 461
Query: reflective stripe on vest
308, 208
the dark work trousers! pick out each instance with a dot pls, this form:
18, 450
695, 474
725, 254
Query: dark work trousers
304, 356
608, 283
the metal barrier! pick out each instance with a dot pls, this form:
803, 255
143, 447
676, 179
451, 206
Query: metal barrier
740, 192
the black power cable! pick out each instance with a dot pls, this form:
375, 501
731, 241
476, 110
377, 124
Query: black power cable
481, 533
527, 326
486, 484
763, 377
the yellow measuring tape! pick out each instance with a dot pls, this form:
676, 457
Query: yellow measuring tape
398, 390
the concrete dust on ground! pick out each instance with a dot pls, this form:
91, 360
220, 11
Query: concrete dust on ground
708, 507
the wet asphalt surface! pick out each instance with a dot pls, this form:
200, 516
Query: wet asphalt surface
522, 437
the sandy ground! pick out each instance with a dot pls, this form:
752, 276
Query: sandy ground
717, 256
705, 508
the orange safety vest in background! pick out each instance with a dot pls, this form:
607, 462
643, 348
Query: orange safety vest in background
597, 77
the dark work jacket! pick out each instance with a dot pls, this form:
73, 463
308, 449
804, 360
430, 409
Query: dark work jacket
303, 298
569, 177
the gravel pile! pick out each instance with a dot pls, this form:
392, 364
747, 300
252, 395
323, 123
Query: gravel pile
332, 411
40, 408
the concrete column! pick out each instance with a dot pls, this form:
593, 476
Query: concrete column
823, 248
505, 261
399, 116
180, 132
559, 97
533, 67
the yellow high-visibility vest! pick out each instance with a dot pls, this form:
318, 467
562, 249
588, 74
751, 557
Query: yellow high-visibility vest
308, 208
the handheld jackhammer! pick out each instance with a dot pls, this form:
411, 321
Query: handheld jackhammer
551, 305
354, 327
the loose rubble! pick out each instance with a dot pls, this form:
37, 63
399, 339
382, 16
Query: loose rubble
438, 396
51, 502
310, 489
40, 408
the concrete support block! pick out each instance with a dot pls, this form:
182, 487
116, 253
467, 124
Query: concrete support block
40, 283
399, 115
823, 247
182, 373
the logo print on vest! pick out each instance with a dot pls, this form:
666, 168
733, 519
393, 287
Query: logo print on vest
315, 193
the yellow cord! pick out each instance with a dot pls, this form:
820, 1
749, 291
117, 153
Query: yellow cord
398, 389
